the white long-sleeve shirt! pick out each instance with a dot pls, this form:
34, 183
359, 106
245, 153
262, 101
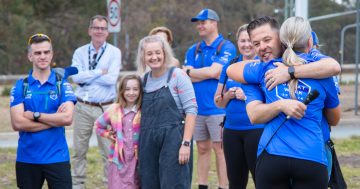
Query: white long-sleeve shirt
93, 85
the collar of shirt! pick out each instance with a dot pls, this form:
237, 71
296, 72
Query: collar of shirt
214, 44
128, 110
51, 79
93, 50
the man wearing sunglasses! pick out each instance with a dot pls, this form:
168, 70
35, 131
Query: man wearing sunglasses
39, 110
98, 63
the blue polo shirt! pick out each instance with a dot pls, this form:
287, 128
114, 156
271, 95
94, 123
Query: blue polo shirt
46, 146
302, 139
205, 57
236, 115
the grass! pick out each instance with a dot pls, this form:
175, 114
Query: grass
348, 151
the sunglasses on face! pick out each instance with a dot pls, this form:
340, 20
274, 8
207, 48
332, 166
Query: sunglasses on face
39, 37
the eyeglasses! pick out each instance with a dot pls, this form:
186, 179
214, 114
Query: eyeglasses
39, 37
99, 28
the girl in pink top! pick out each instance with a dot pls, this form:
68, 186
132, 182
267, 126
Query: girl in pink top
124, 119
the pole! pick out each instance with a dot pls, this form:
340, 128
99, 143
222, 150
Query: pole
332, 15
115, 39
357, 54
342, 39
286, 9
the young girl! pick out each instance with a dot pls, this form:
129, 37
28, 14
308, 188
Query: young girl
124, 120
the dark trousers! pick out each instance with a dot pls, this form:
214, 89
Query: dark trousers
280, 172
32, 176
240, 147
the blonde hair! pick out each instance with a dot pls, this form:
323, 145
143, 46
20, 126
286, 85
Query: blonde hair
165, 30
241, 29
295, 33
122, 86
140, 58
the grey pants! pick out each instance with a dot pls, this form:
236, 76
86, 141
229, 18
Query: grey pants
84, 118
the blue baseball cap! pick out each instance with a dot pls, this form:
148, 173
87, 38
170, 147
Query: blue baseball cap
206, 14
315, 38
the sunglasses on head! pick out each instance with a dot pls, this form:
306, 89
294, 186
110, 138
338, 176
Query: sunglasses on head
39, 37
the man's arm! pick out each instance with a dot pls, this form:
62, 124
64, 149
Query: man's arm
323, 68
200, 74
333, 115
21, 123
112, 75
63, 117
236, 71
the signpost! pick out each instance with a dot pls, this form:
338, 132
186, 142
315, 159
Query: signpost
113, 14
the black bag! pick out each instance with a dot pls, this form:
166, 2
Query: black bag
337, 180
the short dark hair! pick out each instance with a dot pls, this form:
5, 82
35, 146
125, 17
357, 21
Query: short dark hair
262, 21
98, 17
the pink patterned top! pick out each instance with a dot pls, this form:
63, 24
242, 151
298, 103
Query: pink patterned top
113, 116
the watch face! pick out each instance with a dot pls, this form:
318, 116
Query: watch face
186, 143
36, 114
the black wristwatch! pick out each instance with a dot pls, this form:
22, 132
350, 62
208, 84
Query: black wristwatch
186, 143
36, 116
188, 72
291, 71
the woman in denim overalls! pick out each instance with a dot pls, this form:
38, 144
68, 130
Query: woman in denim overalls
168, 118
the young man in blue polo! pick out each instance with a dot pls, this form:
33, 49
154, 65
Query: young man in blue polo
203, 63
40, 106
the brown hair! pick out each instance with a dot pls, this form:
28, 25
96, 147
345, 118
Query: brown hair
121, 89
164, 29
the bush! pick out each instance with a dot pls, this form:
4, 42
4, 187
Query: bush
6, 91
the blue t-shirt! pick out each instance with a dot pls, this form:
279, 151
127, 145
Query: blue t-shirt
205, 57
46, 146
236, 115
302, 139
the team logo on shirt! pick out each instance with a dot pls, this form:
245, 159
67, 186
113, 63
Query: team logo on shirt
303, 89
53, 95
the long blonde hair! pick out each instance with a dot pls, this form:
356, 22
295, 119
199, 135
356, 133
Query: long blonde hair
140, 58
122, 86
295, 33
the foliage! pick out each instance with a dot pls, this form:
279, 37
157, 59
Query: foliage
66, 22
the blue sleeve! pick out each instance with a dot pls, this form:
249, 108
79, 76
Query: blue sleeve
223, 73
190, 56
227, 53
332, 98
336, 82
253, 72
16, 94
253, 92
316, 55
67, 93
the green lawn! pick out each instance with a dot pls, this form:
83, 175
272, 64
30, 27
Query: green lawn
348, 151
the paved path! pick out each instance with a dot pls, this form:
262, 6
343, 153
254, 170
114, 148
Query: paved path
347, 127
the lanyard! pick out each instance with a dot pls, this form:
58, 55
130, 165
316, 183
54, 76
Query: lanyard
93, 66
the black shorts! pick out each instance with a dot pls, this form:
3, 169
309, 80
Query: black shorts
32, 176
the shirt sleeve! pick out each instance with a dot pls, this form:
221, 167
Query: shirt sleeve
186, 93
223, 73
253, 72
332, 98
16, 93
103, 121
252, 93
67, 93
190, 56
227, 53
317, 55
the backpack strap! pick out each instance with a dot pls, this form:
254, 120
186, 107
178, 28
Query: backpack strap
145, 79
226, 76
197, 49
25, 86
58, 83
170, 74
218, 49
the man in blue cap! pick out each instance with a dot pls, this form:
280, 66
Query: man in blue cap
203, 63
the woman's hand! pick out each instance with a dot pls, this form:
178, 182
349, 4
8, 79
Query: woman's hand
239, 94
112, 135
184, 154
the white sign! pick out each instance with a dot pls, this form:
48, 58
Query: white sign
113, 14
